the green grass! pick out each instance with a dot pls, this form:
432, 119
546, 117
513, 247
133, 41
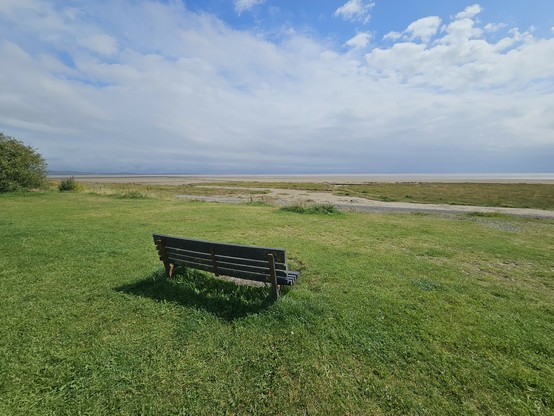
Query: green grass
511, 195
393, 313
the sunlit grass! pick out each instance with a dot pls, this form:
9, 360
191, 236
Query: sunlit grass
393, 313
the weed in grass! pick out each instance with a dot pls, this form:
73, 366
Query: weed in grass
311, 209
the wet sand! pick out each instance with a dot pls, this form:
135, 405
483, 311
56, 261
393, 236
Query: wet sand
547, 178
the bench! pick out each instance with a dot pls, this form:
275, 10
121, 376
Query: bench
260, 264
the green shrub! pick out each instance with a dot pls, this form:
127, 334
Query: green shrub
21, 166
70, 184
311, 209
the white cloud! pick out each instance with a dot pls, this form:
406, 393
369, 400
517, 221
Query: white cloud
461, 30
355, 10
392, 36
191, 94
359, 41
244, 5
469, 12
424, 28
494, 27
102, 44
462, 59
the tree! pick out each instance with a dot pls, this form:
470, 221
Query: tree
21, 166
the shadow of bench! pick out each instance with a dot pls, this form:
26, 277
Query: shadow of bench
198, 290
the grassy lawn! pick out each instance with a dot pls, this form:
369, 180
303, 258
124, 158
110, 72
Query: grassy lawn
393, 313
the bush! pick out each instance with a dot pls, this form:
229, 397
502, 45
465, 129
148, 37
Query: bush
21, 166
311, 209
70, 184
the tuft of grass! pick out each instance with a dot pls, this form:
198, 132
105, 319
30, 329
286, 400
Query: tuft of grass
133, 194
311, 209
70, 185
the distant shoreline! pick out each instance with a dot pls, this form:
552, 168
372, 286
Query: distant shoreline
167, 179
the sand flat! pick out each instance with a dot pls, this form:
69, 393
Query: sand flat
547, 178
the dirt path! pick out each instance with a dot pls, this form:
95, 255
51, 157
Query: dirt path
346, 203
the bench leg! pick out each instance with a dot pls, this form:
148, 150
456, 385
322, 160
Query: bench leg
274, 286
161, 251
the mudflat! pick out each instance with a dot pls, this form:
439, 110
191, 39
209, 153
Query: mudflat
547, 178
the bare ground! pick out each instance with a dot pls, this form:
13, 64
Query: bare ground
347, 203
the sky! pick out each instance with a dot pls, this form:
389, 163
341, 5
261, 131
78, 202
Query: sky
285, 87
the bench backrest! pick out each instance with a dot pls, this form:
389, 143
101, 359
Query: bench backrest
245, 262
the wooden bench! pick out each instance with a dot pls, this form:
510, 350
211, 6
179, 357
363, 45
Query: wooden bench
260, 264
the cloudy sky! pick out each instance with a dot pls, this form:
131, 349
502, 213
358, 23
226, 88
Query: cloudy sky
281, 86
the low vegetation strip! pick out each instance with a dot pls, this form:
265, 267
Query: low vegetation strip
509, 195
162, 191
394, 313
311, 209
